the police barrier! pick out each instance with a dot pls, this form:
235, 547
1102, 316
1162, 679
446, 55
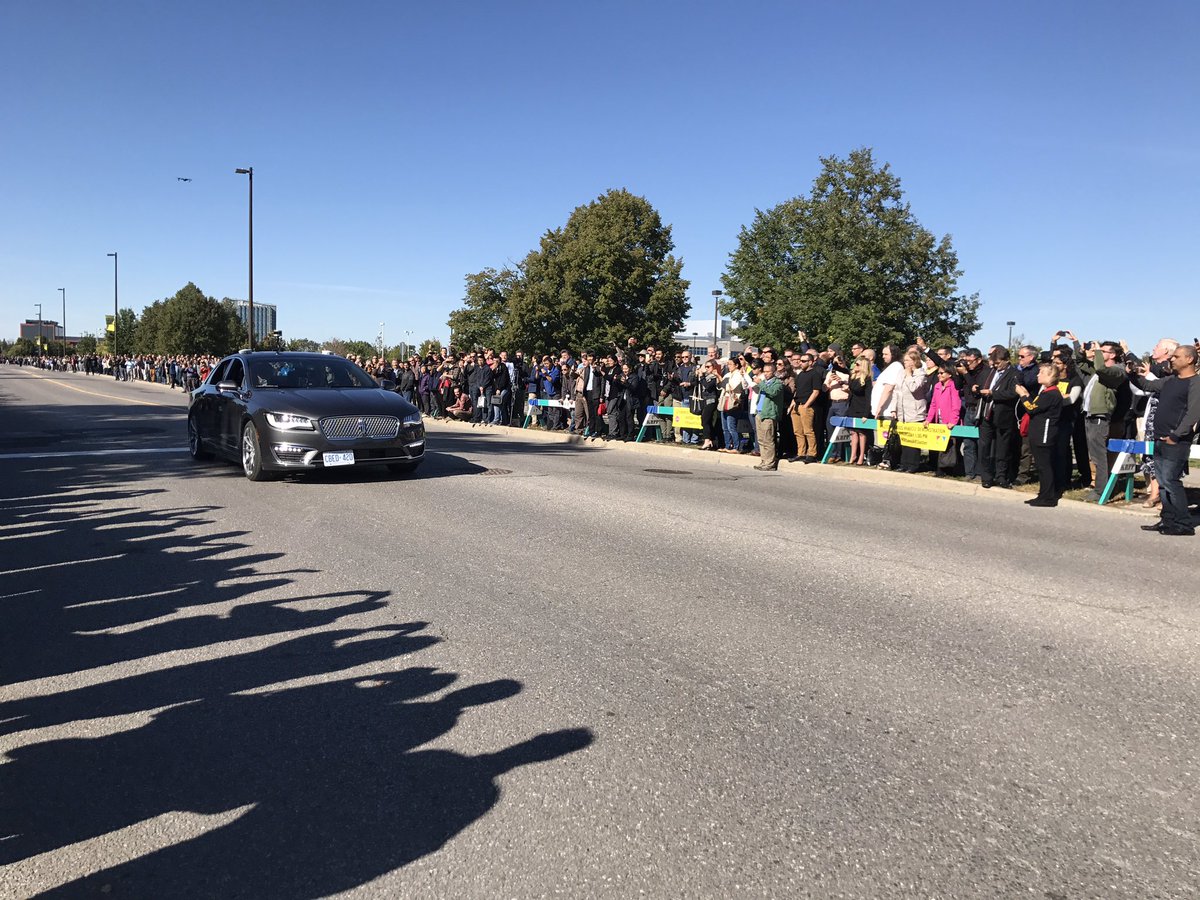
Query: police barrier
682, 417
1125, 466
934, 438
532, 408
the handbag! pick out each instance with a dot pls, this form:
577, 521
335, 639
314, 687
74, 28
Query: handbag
948, 458
695, 404
497, 400
892, 446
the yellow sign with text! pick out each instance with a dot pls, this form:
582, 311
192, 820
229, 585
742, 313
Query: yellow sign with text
682, 417
918, 435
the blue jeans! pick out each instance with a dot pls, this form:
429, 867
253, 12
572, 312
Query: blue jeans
837, 408
500, 410
729, 427
1169, 462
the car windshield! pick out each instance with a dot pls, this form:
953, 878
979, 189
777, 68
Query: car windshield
328, 372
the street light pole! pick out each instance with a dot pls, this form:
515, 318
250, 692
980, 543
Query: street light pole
716, 314
250, 308
39, 306
64, 322
114, 340
1010, 328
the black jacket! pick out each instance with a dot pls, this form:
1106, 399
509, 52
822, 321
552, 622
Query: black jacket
1044, 411
1002, 403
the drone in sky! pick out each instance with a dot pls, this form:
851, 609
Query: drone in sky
183, 179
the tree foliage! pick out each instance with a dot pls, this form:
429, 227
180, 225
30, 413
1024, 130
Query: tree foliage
127, 329
607, 275
342, 347
86, 345
188, 323
429, 346
479, 322
304, 345
849, 262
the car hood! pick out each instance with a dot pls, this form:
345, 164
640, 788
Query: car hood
321, 402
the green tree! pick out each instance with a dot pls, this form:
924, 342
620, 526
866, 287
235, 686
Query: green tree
479, 322
607, 275
849, 262
349, 348
428, 346
303, 345
193, 323
87, 344
127, 329
23, 347
145, 337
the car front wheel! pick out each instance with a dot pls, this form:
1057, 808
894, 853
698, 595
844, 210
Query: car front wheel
252, 460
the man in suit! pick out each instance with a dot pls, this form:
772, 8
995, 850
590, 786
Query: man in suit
593, 390
998, 421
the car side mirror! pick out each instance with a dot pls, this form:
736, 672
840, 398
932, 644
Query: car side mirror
387, 384
228, 387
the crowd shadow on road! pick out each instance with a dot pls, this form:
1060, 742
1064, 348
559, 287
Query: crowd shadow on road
119, 604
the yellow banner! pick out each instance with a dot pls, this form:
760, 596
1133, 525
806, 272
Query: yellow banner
918, 435
681, 417
109, 324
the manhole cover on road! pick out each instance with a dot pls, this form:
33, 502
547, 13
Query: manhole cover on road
496, 472
666, 471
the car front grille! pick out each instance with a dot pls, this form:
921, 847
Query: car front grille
353, 428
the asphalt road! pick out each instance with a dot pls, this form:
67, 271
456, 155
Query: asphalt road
538, 669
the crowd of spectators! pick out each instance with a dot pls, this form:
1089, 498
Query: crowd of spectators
176, 372
779, 403
1044, 418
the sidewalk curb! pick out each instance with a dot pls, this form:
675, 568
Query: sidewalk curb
788, 469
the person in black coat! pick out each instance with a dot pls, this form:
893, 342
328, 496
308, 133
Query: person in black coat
998, 433
1044, 411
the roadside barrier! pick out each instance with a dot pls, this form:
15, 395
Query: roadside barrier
934, 438
533, 406
680, 416
1125, 465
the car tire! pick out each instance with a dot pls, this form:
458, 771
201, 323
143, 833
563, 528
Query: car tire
252, 457
404, 468
195, 444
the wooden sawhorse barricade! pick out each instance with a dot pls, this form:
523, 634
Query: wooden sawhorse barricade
532, 407
1125, 466
844, 424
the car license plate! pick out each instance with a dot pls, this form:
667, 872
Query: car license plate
338, 459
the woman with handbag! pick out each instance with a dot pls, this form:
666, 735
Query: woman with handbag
709, 387
733, 390
945, 407
912, 406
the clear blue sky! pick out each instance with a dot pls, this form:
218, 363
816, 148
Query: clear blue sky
399, 146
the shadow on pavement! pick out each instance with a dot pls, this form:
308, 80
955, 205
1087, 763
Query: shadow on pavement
327, 774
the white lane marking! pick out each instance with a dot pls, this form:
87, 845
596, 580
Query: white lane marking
115, 450
69, 562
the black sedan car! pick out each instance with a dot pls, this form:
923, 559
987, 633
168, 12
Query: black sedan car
286, 412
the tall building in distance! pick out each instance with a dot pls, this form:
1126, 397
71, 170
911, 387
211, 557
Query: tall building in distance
265, 318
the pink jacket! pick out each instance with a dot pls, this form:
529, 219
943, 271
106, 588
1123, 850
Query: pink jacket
944, 404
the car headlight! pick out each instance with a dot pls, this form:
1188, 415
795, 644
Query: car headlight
414, 419
290, 422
